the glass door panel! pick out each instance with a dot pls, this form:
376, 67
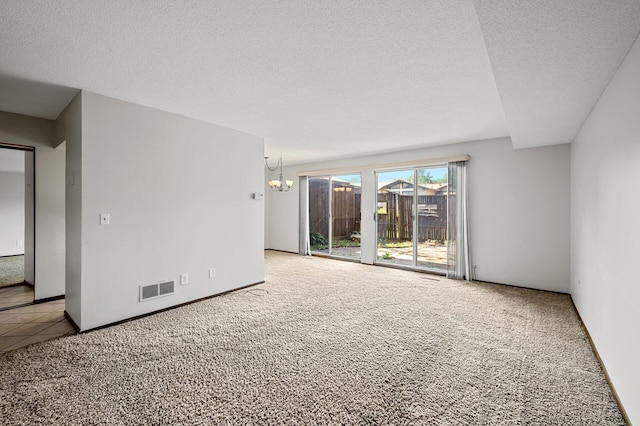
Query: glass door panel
319, 214
345, 216
395, 213
432, 218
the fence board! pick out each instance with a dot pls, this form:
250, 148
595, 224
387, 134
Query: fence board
397, 223
345, 210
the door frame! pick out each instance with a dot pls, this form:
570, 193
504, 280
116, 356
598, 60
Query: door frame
330, 217
415, 221
29, 230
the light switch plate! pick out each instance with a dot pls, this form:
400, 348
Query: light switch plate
105, 218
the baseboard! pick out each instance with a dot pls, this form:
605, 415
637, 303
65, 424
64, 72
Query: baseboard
111, 324
604, 369
526, 288
48, 299
411, 269
282, 251
71, 321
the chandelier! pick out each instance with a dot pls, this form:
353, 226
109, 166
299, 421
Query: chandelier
280, 184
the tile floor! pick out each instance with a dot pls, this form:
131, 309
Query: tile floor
30, 324
15, 295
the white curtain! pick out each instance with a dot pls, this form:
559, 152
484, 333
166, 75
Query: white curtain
304, 245
458, 252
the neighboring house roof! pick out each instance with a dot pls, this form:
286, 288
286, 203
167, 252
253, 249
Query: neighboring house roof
394, 182
437, 187
339, 181
345, 182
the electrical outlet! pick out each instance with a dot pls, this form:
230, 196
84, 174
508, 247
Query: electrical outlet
184, 279
212, 273
19, 243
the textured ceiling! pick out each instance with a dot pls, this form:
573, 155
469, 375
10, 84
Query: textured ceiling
32, 98
553, 58
316, 79
325, 79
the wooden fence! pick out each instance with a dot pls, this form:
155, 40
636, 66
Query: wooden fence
346, 209
395, 213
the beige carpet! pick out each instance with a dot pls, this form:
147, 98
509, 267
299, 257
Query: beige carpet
324, 342
11, 270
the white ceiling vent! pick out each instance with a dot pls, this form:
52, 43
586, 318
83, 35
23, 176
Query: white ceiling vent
160, 289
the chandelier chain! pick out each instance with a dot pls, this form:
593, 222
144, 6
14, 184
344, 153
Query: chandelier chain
266, 163
281, 184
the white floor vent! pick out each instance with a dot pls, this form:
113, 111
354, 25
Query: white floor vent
160, 289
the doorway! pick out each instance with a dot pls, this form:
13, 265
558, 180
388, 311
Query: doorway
334, 215
16, 226
412, 219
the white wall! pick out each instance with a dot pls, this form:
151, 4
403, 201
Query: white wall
266, 208
50, 223
49, 202
605, 208
29, 218
519, 209
68, 130
11, 213
178, 192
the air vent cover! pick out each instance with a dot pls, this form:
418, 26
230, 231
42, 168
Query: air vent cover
153, 291
165, 288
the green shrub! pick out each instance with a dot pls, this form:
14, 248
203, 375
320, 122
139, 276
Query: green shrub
317, 239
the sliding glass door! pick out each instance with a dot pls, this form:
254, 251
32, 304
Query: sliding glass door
412, 218
319, 203
395, 217
432, 218
421, 218
334, 215
345, 216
